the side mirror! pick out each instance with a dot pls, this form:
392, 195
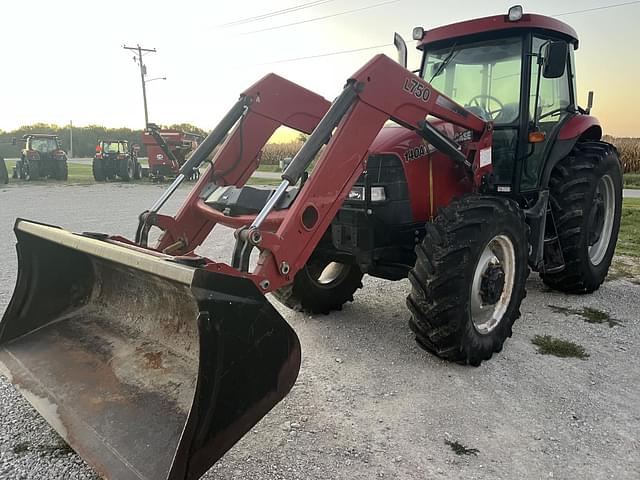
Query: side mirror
555, 59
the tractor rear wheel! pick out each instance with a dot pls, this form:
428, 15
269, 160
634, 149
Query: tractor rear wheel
32, 171
125, 170
62, 170
98, 170
4, 174
469, 278
586, 201
321, 286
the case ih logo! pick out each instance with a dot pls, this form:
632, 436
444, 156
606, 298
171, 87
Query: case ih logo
414, 87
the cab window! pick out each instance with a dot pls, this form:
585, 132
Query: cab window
482, 76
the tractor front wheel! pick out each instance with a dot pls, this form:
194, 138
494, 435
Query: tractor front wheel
586, 201
137, 172
321, 286
469, 278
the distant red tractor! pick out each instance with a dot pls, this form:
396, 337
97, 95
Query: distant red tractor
115, 158
41, 157
168, 150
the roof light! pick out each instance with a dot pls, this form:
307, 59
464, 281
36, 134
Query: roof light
418, 33
515, 13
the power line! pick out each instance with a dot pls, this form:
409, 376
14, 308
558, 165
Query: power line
275, 13
604, 7
329, 54
315, 19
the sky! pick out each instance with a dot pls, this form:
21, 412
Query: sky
63, 61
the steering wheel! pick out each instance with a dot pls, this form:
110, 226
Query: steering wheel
475, 102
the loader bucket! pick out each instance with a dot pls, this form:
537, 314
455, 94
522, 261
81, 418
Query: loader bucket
148, 368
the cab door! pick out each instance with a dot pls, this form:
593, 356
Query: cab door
550, 107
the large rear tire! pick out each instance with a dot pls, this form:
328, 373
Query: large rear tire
321, 286
32, 171
98, 170
4, 174
126, 169
62, 170
469, 278
586, 201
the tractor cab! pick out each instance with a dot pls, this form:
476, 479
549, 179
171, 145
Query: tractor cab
516, 71
42, 143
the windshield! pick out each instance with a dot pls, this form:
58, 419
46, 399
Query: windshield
43, 145
112, 147
482, 76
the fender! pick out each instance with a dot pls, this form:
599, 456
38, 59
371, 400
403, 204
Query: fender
573, 128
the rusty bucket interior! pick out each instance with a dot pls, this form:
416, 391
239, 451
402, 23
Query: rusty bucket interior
148, 368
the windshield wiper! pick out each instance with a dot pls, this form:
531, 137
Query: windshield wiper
445, 62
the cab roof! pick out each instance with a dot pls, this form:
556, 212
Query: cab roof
495, 24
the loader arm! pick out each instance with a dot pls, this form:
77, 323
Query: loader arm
380, 91
108, 337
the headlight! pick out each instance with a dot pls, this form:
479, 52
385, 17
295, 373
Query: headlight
356, 193
377, 194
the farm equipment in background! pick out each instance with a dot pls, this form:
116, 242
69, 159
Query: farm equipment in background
152, 361
115, 158
168, 150
42, 157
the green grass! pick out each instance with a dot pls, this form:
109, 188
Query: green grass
548, 345
83, 175
629, 237
268, 168
78, 174
588, 314
631, 180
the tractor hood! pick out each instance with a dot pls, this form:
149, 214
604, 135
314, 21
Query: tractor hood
394, 138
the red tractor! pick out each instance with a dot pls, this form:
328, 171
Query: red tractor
168, 150
489, 169
41, 157
115, 158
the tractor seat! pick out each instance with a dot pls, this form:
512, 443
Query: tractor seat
234, 201
508, 114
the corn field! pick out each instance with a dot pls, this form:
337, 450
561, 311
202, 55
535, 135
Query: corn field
629, 150
272, 153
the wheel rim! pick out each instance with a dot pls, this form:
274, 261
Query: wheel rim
327, 275
601, 219
493, 282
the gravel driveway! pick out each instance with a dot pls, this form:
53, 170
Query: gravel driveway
368, 402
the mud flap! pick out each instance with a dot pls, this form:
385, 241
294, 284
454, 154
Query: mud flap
149, 369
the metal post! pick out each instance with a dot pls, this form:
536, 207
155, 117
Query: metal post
71, 138
144, 87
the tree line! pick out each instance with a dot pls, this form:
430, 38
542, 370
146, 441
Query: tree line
84, 138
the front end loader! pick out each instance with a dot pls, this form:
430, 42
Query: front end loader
152, 361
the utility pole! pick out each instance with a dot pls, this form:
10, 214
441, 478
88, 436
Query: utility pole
71, 138
143, 71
